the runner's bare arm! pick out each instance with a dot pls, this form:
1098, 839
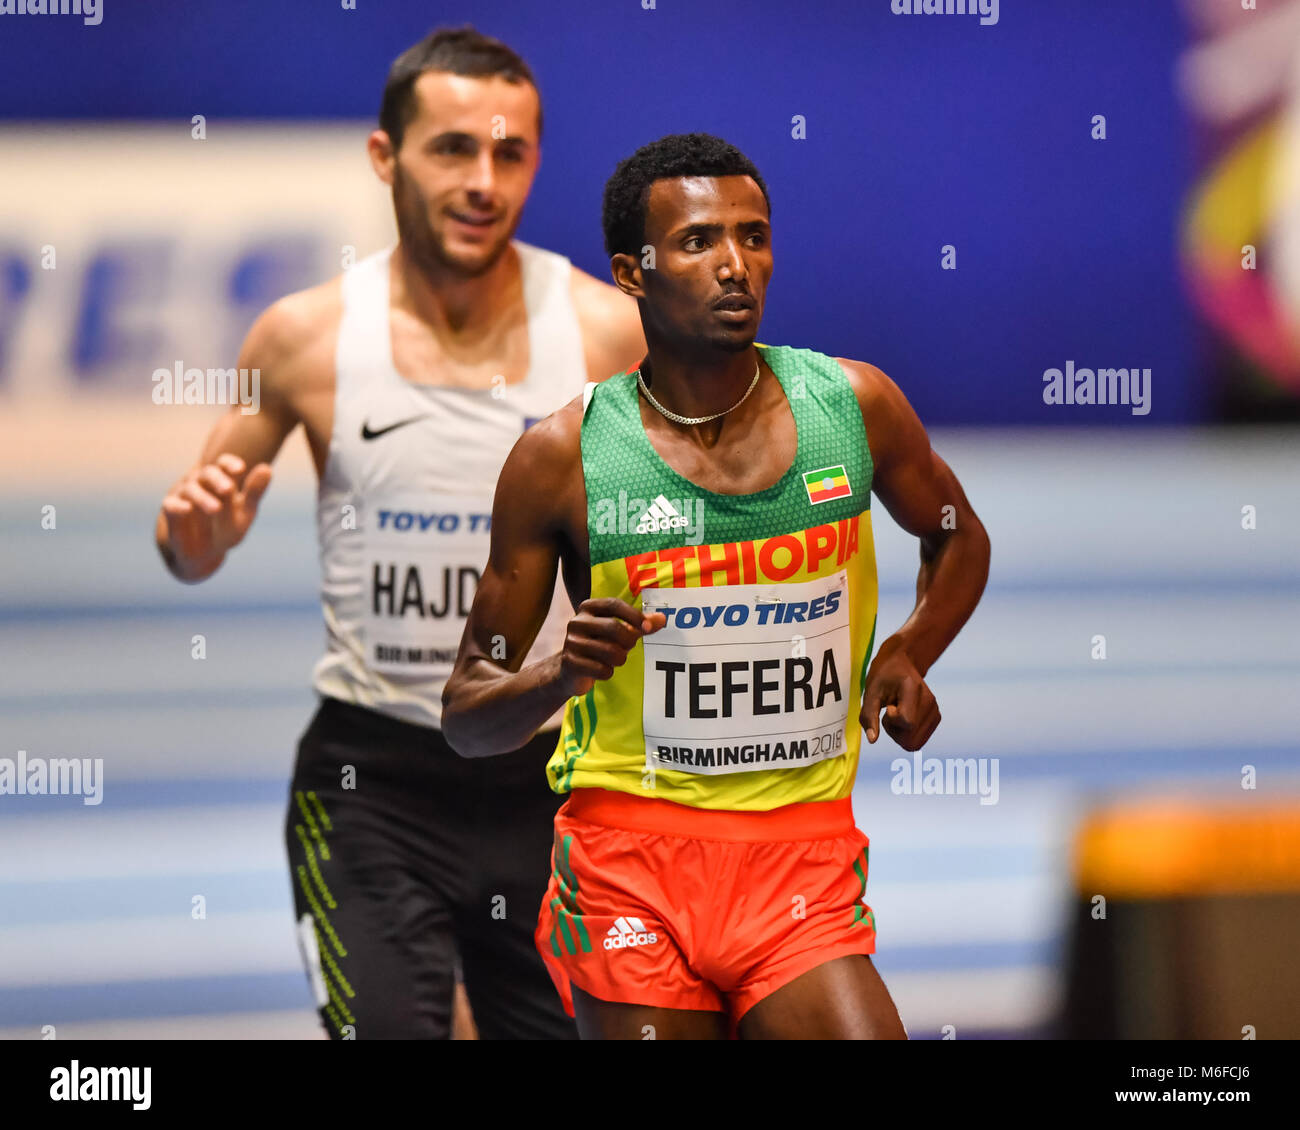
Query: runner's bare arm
924, 497
612, 338
490, 705
210, 508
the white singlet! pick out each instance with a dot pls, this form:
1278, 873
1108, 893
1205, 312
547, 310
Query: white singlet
404, 507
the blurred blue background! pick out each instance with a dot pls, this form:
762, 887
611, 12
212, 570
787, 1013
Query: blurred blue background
922, 132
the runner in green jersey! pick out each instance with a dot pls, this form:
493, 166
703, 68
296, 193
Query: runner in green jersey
711, 515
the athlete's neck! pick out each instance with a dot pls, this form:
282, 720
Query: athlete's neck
700, 386
453, 304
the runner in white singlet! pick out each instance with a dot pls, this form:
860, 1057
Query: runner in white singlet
413, 374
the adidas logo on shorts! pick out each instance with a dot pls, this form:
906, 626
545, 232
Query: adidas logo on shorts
628, 932
661, 515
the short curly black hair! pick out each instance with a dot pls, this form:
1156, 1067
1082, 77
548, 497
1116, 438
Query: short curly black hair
627, 192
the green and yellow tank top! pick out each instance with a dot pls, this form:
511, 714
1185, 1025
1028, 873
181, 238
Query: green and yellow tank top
749, 697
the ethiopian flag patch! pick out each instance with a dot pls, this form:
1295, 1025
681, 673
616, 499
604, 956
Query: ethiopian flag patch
828, 483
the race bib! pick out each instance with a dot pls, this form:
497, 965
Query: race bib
424, 555
747, 677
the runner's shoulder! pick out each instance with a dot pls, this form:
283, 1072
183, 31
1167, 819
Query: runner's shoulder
296, 332
868, 382
594, 297
879, 397
890, 420
552, 448
543, 471
610, 324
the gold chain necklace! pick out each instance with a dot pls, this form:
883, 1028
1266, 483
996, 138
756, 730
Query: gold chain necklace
640, 380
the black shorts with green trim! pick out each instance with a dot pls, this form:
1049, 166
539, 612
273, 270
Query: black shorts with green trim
407, 859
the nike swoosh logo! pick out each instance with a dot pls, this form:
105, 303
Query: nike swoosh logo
366, 433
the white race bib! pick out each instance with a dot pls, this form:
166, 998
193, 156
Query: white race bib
424, 555
747, 677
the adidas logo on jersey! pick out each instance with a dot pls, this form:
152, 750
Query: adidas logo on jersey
660, 516
627, 932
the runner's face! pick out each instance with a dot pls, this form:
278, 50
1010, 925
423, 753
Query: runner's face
713, 260
458, 190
